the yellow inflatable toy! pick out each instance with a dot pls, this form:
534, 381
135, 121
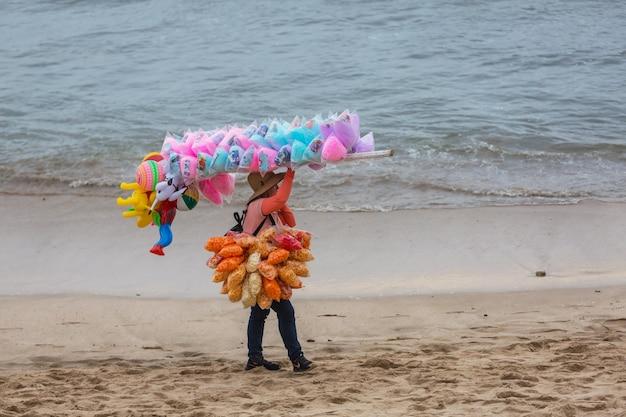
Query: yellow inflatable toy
139, 202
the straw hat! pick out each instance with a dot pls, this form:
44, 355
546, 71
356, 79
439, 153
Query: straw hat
261, 183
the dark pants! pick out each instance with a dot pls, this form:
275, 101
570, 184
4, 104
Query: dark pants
286, 326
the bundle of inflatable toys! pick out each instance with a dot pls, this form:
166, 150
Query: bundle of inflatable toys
203, 163
259, 270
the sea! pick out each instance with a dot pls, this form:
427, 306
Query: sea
485, 102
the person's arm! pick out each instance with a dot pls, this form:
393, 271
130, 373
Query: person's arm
279, 200
287, 217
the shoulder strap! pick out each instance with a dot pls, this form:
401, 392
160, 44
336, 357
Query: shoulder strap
258, 229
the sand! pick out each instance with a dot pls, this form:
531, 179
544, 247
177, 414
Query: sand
71, 244
410, 313
558, 352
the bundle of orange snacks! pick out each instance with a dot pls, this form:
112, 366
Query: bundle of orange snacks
261, 269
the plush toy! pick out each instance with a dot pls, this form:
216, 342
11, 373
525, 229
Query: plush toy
139, 202
170, 188
165, 204
188, 200
202, 164
255, 271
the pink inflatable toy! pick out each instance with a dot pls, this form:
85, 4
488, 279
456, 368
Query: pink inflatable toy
333, 149
209, 192
224, 183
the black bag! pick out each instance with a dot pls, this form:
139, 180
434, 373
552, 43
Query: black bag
239, 218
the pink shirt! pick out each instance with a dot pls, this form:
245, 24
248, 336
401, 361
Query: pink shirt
254, 217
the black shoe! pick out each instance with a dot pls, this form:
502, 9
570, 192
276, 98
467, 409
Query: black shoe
301, 364
270, 366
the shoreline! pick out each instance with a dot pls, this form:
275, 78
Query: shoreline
112, 192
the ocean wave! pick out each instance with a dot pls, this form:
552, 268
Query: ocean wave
512, 150
521, 120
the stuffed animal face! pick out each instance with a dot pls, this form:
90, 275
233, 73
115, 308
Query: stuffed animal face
169, 189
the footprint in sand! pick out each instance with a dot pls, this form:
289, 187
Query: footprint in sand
616, 324
438, 348
379, 363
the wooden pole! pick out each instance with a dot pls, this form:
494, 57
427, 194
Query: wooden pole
369, 155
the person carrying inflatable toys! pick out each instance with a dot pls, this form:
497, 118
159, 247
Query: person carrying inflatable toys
268, 207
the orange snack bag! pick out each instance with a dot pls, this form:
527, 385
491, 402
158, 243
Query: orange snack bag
271, 289
236, 277
277, 256
285, 290
214, 261
219, 276
303, 237
267, 234
229, 251
255, 283
267, 271
263, 301
247, 299
245, 241
298, 267
263, 248
235, 294
288, 276
229, 264
214, 244
302, 255
252, 264
296, 283
224, 289
306, 240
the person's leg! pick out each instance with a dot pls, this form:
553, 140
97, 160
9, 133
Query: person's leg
287, 327
165, 238
256, 324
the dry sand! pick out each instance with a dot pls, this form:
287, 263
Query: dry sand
66, 244
549, 353
559, 350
